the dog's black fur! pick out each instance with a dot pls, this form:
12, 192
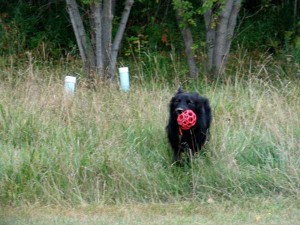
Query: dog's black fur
190, 140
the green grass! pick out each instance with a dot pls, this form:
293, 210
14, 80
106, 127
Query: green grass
256, 211
110, 147
106, 147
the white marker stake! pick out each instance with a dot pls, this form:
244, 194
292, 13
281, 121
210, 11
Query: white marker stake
70, 83
124, 78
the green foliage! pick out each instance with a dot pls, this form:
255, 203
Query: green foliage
156, 31
267, 26
210, 4
88, 2
12, 40
41, 26
186, 11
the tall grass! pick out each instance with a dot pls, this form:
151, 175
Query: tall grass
105, 146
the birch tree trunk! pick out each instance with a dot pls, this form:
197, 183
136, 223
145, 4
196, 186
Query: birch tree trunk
96, 14
210, 38
188, 43
119, 36
106, 34
79, 32
219, 33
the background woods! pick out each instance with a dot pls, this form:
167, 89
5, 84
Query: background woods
204, 32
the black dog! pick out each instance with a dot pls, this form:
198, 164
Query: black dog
191, 140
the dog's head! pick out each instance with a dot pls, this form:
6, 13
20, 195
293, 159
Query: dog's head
183, 101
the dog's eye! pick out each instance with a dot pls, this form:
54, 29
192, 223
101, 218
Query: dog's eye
190, 102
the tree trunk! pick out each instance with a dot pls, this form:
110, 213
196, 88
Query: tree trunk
80, 33
221, 38
295, 14
231, 25
210, 38
107, 34
188, 42
219, 33
97, 22
118, 38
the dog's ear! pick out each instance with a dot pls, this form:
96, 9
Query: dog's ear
180, 90
202, 103
207, 111
197, 98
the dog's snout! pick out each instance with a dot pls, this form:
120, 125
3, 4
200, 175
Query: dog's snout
179, 110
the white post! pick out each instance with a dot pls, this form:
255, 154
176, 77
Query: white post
124, 78
70, 83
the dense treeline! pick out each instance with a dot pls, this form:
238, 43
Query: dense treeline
44, 28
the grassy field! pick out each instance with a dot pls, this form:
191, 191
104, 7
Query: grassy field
101, 157
255, 211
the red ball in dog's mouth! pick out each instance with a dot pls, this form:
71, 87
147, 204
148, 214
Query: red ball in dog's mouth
186, 119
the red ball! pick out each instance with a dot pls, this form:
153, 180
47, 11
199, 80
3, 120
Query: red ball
186, 119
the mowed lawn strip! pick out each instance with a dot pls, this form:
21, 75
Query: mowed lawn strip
252, 211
